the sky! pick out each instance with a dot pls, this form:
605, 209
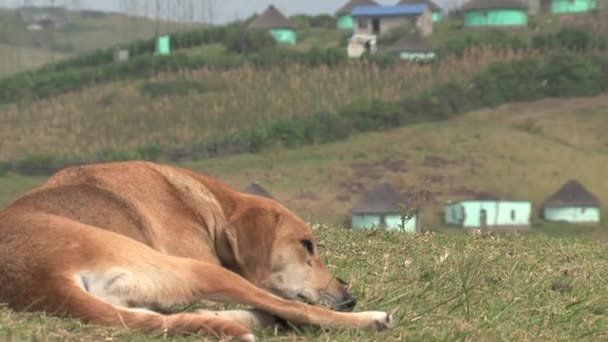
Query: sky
214, 11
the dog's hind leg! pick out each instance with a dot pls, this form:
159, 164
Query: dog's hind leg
250, 318
79, 304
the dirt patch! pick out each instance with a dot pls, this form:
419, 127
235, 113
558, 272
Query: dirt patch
343, 197
307, 195
434, 162
433, 179
351, 186
395, 165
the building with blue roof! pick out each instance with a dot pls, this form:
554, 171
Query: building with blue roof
379, 20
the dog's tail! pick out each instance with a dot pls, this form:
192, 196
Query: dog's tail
78, 303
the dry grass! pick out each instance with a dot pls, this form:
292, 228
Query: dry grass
119, 116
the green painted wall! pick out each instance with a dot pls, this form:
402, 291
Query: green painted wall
572, 6
468, 214
498, 17
436, 16
572, 214
284, 36
417, 56
392, 222
346, 22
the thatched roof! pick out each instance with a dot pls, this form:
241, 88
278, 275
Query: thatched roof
383, 199
346, 9
412, 42
256, 189
572, 194
432, 5
493, 4
272, 18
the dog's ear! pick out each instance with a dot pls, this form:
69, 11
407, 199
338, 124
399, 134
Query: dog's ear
251, 234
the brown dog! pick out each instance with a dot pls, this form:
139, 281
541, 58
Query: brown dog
106, 243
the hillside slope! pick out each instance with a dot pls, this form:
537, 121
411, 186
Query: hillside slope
29, 49
522, 150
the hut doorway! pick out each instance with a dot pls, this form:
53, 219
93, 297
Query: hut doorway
376, 26
483, 218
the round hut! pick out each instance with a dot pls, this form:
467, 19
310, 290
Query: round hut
281, 28
256, 189
436, 10
489, 13
413, 47
572, 203
386, 208
572, 6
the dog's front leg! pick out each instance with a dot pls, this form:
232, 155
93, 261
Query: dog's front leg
215, 283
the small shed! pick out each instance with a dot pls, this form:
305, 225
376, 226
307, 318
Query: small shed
572, 203
384, 207
281, 28
256, 189
345, 20
413, 47
490, 13
380, 20
436, 11
489, 212
572, 6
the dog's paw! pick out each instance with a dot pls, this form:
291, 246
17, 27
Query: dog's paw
247, 338
383, 320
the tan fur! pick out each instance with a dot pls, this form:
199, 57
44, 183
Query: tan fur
101, 242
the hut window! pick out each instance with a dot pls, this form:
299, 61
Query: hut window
512, 215
362, 23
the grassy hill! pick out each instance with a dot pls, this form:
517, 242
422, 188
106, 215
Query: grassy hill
22, 49
209, 103
522, 150
477, 287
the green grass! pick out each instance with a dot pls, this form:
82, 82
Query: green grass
460, 287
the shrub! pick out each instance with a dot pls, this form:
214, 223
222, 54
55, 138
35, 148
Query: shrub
248, 41
570, 38
4, 168
37, 165
494, 39
568, 74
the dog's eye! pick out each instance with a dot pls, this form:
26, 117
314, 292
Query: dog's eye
309, 246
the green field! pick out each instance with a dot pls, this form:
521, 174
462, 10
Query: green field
459, 287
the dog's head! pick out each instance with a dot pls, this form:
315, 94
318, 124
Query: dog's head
276, 250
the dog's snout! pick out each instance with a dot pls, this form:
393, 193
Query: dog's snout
347, 303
